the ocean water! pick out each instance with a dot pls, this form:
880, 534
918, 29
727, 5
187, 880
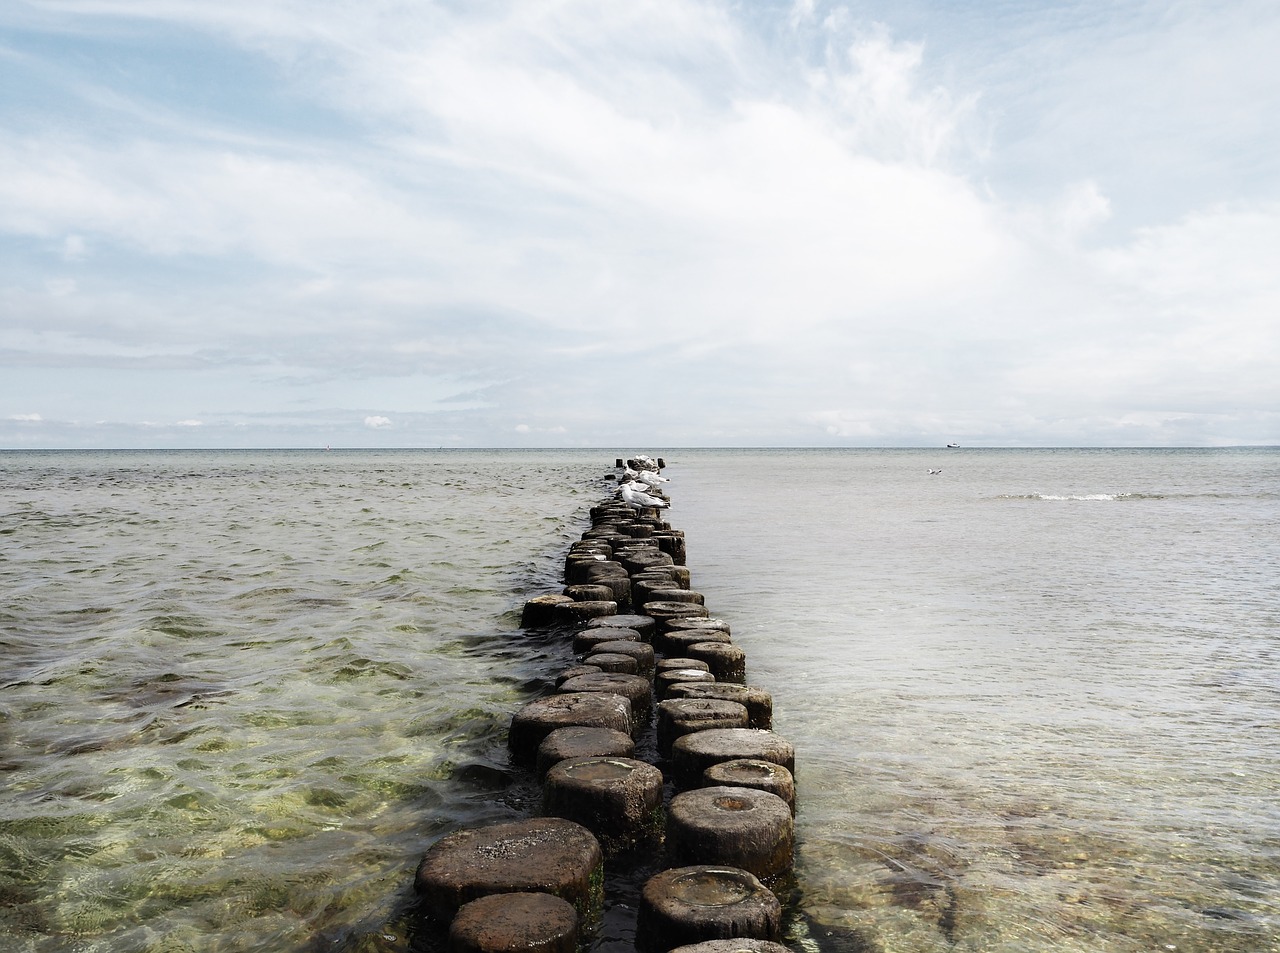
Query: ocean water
1035, 697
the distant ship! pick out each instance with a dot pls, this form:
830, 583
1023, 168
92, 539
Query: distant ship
953, 446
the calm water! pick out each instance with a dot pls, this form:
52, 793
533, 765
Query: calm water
1036, 697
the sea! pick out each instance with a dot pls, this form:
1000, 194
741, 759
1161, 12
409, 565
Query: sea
1034, 693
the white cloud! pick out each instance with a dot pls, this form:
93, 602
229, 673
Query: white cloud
26, 418
1215, 257
880, 106
810, 225
167, 200
1081, 208
74, 248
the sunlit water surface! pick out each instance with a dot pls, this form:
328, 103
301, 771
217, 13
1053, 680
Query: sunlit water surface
242, 691
1035, 696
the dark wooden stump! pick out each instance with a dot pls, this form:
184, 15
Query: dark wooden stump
544, 855
692, 904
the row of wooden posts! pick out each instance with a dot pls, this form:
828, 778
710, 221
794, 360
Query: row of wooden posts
653, 744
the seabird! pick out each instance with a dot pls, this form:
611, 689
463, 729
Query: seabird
651, 477
632, 495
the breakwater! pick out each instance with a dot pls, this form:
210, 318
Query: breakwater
667, 800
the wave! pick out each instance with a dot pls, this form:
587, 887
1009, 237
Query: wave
1090, 497
1124, 497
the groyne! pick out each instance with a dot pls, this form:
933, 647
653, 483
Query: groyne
667, 801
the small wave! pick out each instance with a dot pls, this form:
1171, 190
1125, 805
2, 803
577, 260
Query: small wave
1089, 497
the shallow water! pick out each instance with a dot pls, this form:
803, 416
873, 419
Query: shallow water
1034, 696
242, 691
1037, 694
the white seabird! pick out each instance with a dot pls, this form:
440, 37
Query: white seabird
632, 495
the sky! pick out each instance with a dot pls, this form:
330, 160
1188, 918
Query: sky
641, 224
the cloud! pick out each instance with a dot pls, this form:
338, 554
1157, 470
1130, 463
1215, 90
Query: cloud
170, 200
74, 248
775, 225
26, 418
1081, 207
872, 86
